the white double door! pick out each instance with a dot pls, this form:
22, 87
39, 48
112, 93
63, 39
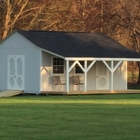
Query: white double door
102, 76
15, 72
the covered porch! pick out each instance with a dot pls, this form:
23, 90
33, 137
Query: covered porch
106, 77
97, 75
99, 61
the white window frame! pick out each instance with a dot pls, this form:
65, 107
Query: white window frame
63, 67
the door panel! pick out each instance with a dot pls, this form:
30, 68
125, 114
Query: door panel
102, 81
16, 72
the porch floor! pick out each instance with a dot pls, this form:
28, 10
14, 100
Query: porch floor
94, 92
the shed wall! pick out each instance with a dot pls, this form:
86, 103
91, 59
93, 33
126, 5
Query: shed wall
46, 74
120, 76
18, 45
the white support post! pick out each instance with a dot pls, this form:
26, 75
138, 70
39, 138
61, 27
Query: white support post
112, 67
85, 76
126, 62
67, 75
117, 65
106, 65
72, 66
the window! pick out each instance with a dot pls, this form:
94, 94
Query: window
58, 65
78, 69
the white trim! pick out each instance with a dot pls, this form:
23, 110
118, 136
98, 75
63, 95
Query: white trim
80, 66
98, 76
91, 64
67, 76
112, 76
112, 70
71, 67
126, 74
107, 66
74, 63
85, 76
40, 70
52, 53
106, 59
117, 65
52, 66
15, 58
8, 36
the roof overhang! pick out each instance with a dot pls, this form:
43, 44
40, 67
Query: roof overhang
1, 41
101, 59
53, 53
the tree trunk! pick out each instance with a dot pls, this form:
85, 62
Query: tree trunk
5, 33
7, 19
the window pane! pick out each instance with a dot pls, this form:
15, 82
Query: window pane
54, 59
61, 69
78, 69
58, 59
58, 65
54, 63
82, 63
58, 62
54, 69
62, 63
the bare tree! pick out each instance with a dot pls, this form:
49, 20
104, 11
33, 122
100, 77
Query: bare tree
131, 11
15, 13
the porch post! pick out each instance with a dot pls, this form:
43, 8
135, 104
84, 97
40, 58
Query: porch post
85, 76
112, 66
67, 75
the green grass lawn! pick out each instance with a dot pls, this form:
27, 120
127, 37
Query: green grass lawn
96, 117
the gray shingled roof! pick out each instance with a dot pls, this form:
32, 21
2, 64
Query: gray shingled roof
79, 44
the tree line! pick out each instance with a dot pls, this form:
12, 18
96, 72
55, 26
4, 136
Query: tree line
119, 19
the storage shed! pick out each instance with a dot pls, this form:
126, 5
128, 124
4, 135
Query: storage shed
30, 59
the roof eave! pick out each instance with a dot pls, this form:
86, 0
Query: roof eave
101, 59
53, 53
7, 36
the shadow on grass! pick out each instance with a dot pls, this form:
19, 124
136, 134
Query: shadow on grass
133, 86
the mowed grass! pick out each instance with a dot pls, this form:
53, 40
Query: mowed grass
94, 117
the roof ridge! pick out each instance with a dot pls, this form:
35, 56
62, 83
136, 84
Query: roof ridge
56, 31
